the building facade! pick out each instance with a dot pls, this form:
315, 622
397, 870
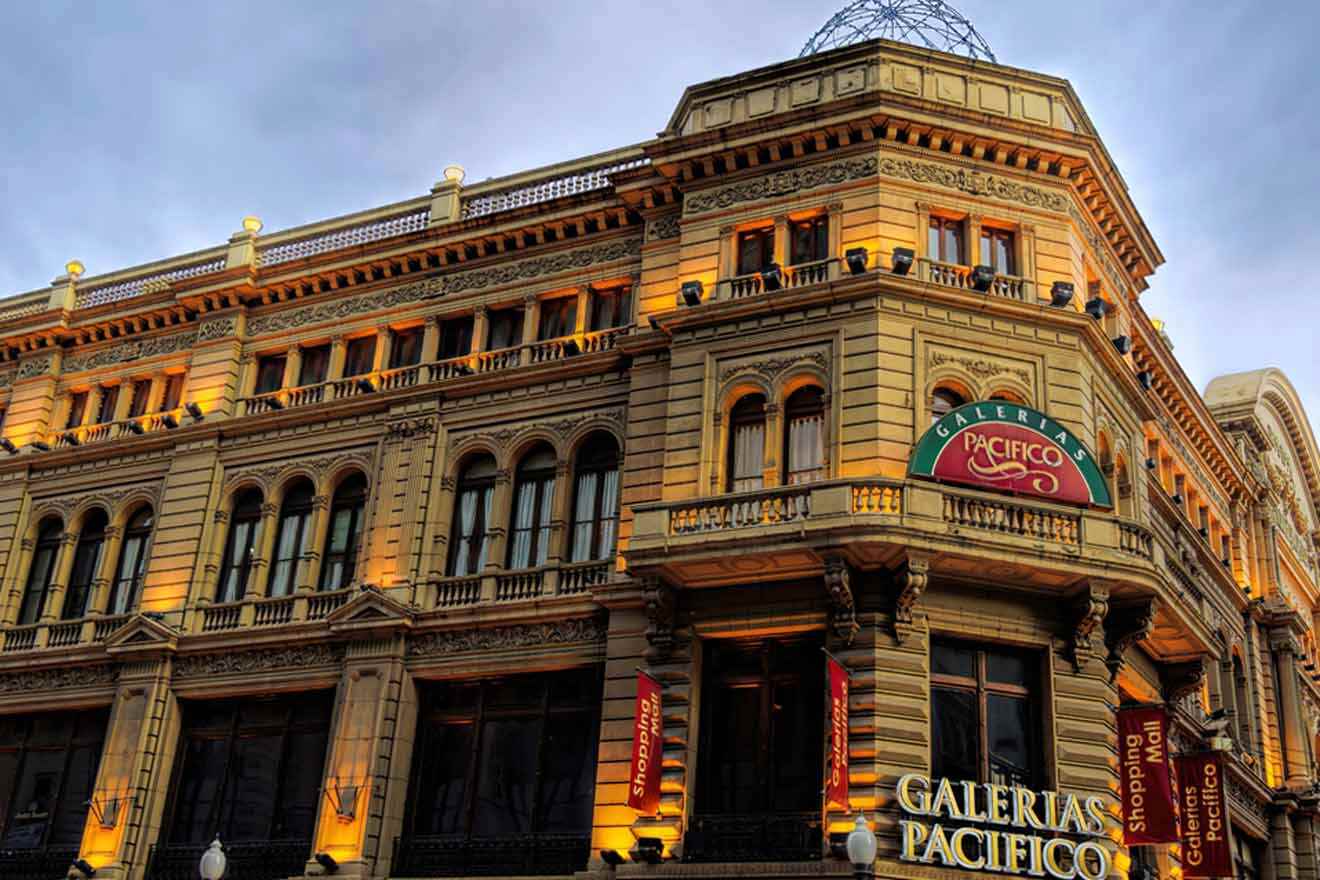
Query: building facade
346, 544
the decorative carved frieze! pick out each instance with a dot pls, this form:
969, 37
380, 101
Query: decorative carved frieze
843, 612
769, 368
587, 630
1089, 611
407, 428
7, 378
239, 662
1124, 627
137, 350
269, 475
37, 366
57, 679
981, 367
662, 228
781, 183
972, 182
64, 506
217, 329
561, 427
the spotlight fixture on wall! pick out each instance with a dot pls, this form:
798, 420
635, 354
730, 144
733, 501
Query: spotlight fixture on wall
327, 861
1151, 464
84, 868
1146, 379
71, 439
8, 446
611, 857
773, 277
649, 850
650, 319
343, 798
1204, 532
274, 403
692, 292
856, 259
1176, 499
169, 421
194, 410
1122, 344
365, 385
40, 445
1096, 308
134, 427
982, 277
902, 260
1061, 294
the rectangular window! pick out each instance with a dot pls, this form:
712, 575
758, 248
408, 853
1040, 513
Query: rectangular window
77, 409
985, 714
48, 768
756, 250
455, 338
997, 250
558, 318
359, 355
611, 308
270, 373
314, 366
505, 329
810, 240
141, 397
406, 347
173, 395
105, 411
944, 240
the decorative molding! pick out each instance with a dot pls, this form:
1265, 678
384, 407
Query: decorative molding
64, 506
7, 378
38, 366
562, 428
660, 603
1089, 612
912, 582
535, 635
982, 368
1180, 679
1126, 625
408, 428
271, 475
974, 183
130, 351
843, 612
42, 680
662, 228
242, 662
770, 368
1100, 247
781, 183
217, 329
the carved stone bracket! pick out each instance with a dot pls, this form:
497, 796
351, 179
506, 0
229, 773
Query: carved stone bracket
912, 581
1180, 679
1089, 611
661, 607
1124, 627
843, 612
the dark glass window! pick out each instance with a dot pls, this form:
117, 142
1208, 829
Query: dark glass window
455, 338
105, 410
291, 538
314, 366
472, 517
250, 770
240, 545
942, 402
595, 499
985, 714
141, 397
359, 355
86, 560
804, 439
558, 317
756, 250
48, 769
127, 588
40, 571
173, 395
762, 727
533, 502
505, 330
997, 250
746, 453
270, 373
809, 240
341, 545
77, 409
611, 308
507, 757
406, 347
1246, 856
944, 241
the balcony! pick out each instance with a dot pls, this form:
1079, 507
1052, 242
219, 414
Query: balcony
781, 837
960, 278
61, 633
99, 433
790, 278
256, 860
269, 611
516, 855
565, 579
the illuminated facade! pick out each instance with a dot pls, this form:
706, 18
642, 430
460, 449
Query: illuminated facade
345, 543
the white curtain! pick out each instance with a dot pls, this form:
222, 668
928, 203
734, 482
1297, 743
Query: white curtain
583, 517
487, 499
806, 449
467, 512
609, 515
524, 508
748, 456
547, 504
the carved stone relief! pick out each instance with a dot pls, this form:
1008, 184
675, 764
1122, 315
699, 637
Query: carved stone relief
236, 662
562, 632
130, 351
781, 183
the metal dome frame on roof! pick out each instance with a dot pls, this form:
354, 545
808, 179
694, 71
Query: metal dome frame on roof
931, 23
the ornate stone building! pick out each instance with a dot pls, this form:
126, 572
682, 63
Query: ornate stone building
345, 543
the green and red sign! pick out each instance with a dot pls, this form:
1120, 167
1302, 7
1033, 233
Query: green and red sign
1010, 448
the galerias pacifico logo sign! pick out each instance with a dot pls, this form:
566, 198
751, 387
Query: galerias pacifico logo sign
1011, 448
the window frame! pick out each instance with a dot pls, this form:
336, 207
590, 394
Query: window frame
359, 356
556, 314
141, 401
78, 593
295, 512
346, 559
600, 468
990, 237
818, 228
619, 299
943, 226
455, 333
764, 236
543, 479
405, 347
138, 536
171, 396
68, 746
314, 355
250, 518
77, 410
478, 542
738, 420
797, 412
105, 407
49, 541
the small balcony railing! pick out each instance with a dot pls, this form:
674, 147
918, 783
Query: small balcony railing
522, 584
257, 860
459, 855
99, 433
778, 837
1014, 518
269, 611
89, 630
960, 277
36, 864
784, 278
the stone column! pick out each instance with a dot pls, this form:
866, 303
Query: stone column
781, 243
292, 367
499, 532
772, 445
338, 350
480, 328
431, 339
256, 584
1285, 651
531, 319
381, 357
1283, 848
583, 314
123, 401
99, 595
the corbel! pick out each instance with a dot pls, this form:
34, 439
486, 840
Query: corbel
660, 605
843, 610
1177, 680
912, 580
1125, 625
1089, 611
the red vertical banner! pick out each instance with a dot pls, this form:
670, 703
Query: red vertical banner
1150, 808
1206, 850
836, 788
647, 747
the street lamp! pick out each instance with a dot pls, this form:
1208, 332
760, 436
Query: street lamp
861, 848
213, 861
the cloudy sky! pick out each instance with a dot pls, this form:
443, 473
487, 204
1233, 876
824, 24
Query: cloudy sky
138, 130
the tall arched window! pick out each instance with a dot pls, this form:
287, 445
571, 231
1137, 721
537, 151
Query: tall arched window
236, 565
746, 444
942, 402
341, 543
595, 499
291, 537
127, 588
86, 560
533, 500
41, 570
472, 517
804, 437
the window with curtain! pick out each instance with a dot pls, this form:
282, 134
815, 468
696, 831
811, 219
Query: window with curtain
611, 308
756, 250
595, 499
40, 571
558, 317
505, 327
173, 395
746, 453
944, 240
455, 337
942, 402
291, 537
86, 560
472, 517
405, 347
359, 355
48, 769
141, 396
77, 409
105, 410
132, 567
809, 240
314, 365
804, 436
341, 541
998, 251
533, 501
240, 546
985, 714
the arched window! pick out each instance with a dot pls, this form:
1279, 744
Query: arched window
746, 444
127, 588
341, 543
804, 436
472, 519
533, 500
41, 570
1007, 397
86, 560
943, 402
236, 566
291, 537
595, 499
1123, 482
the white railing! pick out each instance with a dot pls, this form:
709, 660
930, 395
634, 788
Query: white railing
535, 192
333, 240
99, 295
